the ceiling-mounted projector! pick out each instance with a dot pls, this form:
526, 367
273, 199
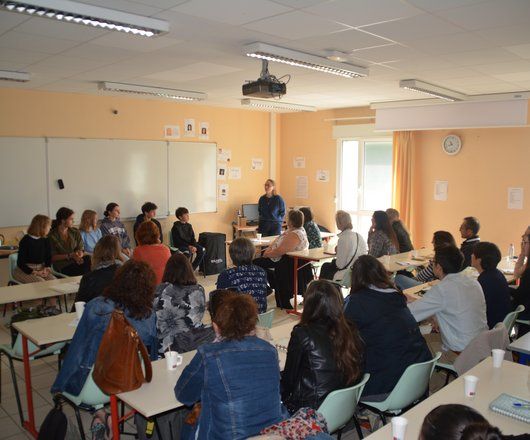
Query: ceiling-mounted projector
266, 86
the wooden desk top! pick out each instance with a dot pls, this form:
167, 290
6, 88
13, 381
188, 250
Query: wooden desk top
396, 262
316, 254
49, 330
511, 378
31, 291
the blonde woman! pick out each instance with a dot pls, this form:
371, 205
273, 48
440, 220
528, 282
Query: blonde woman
271, 208
34, 253
90, 232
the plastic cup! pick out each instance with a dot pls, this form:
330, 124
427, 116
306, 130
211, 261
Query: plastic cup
399, 426
470, 385
498, 356
258, 236
415, 253
79, 308
172, 360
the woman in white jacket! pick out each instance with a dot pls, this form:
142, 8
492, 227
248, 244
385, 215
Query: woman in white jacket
350, 246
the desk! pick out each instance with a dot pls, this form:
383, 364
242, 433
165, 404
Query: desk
396, 262
511, 378
521, 346
239, 231
32, 291
309, 255
43, 331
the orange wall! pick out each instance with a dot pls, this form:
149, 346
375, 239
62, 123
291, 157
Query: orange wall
28, 113
310, 136
491, 160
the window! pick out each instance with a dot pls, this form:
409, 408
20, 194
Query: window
365, 179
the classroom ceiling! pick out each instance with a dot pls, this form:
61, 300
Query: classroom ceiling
471, 46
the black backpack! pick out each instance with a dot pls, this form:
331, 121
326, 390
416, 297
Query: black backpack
54, 425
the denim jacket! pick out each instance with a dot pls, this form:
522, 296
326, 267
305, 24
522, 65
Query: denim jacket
238, 384
83, 349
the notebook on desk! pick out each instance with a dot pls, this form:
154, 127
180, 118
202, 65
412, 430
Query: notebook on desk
506, 405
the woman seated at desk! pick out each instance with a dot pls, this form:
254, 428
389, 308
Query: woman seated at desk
132, 290
382, 239
68, 254
237, 379
34, 253
274, 257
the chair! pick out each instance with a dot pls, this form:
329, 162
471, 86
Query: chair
265, 319
91, 398
339, 406
15, 353
12, 281
509, 320
172, 248
412, 387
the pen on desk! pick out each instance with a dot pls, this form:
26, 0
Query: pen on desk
521, 405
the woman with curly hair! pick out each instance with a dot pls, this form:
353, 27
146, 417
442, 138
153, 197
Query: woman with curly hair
132, 290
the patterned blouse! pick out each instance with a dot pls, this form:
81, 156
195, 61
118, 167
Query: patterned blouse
379, 244
313, 235
246, 279
178, 309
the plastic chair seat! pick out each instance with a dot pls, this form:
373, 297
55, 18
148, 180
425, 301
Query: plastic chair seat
511, 318
265, 319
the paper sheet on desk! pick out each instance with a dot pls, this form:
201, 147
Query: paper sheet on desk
66, 288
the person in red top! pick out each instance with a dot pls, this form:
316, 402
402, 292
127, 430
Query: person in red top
150, 249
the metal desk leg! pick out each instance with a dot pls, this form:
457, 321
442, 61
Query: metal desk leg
30, 423
295, 285
115, 417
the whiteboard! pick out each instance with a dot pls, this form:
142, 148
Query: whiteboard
22, 180
98, 171
192, 170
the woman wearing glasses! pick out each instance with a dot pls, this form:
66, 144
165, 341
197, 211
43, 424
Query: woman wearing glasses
521, 295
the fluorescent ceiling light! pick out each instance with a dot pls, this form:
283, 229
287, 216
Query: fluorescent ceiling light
96, 16
9, 75
431, 90
301, 59
276, 105
153, 91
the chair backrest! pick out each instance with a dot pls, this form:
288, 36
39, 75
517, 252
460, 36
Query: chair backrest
13, 258
171, 239
509, 320
339, 405
265, 319
51, 349
412, 384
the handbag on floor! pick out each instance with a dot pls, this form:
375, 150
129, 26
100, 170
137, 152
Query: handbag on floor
118, 367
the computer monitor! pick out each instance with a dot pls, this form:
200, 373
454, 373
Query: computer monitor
250, 212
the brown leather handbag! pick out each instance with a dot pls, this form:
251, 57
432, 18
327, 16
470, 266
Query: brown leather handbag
118, 367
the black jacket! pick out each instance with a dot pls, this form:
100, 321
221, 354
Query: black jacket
497, 295
392, 339
139, 220
310, 372
93, 283
183, 235
521, 295
467, 249
405, 245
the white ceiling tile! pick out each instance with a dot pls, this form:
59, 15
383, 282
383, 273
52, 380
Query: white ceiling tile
9, 20
192, 72
439, 45
496, 87
63, 66
463, 73
126, 6
514, 77
299, 4
23, 41
134, 42
440, 5
392, 52
503, 68
97, 52
162, 4
295, 25
409, 29
523, 85
20, 57
344, 41
506, 35
477, 57
234, 12
521, 50
60, 29
364, 12
489, 14
420, 64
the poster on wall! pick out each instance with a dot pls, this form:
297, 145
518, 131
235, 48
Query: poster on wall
257, 164
189, 128
302, 190
322, 175
441, 188
515, 198
223, 192
221, 173
224, 155
299, 162
205, 130
234, 173
172, 131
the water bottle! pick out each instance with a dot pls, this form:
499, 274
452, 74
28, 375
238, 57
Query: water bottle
511, 252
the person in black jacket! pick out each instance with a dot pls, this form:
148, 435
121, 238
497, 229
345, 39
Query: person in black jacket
105, 262
183, 237
521, 295
390, 333
469, 232
324, 352
148, 214
403, 236
485, 258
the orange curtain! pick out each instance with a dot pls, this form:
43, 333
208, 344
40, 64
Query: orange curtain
402, 165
